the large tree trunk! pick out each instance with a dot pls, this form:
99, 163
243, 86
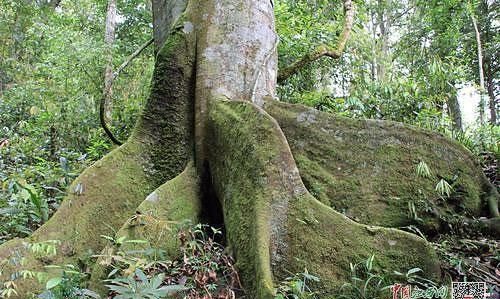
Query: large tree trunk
209, 142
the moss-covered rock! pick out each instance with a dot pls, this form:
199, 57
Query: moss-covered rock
366, 169
275, 226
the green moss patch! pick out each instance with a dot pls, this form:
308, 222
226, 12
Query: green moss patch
366, 169
275, 226
156, 221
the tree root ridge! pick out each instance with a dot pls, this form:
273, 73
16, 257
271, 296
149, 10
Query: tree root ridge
156, 221
367, 169
104, 195
98, 200
254, 177
274, 225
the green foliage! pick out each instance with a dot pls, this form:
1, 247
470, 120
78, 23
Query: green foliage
25, 209
67, 285
139, 286
44, 249
481, 139
415, 277
423, 170
297, 287
302, 25
17, 261
413, 212
202, 269
365, 282
444, 188
61, 282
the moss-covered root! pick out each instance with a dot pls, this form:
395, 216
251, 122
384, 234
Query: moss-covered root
156, 221
99, 199
367, 168
107, 193
274, 225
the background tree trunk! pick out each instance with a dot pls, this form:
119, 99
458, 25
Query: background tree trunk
109, 40
490, 62
384, 24
482, 104
493, 103
455, 113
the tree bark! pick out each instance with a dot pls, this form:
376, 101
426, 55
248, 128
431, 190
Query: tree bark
236, 62
493, 103
109, 40
385, 23
480, 69
165, 14
486, 11
455, 113
373, 62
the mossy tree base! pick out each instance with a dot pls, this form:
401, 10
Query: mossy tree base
274, 225
156, 221
101, 198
